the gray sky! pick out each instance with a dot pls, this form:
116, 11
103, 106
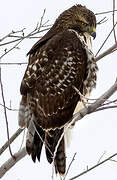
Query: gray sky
92, 135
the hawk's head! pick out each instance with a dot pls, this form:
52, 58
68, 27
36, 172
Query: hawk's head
78, 18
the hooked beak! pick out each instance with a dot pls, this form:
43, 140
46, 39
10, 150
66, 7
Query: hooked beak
93, 34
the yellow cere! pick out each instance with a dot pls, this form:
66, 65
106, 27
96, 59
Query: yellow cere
93, 30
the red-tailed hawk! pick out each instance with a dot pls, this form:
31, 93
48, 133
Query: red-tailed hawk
61, 60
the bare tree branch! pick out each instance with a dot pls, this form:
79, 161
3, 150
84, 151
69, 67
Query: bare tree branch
35, 31
29, 36
14, 47
12, 161
11, 33
107, 52
93, 167
91, 108
13, 137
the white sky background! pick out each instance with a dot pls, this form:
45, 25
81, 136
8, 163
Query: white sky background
95, 133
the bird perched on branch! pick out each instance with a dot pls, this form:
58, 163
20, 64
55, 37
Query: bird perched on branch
59, 63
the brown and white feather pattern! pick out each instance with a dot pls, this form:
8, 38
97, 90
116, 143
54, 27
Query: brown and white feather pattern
50, 79
89, 83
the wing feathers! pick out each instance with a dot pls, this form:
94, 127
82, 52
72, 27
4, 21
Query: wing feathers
53, 69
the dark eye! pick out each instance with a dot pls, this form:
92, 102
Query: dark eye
88, 27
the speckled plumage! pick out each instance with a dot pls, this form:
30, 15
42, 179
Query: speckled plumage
57, 63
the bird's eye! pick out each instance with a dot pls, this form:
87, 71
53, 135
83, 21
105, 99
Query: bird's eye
83, 23
88, 27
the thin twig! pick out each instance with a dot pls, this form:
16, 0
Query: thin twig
15, 46
29, 36
40, 31
102, 21
114, 21
40, 25
93, 167
5, 114
6, 36
113, 160
18, 63
84, 98
42, 139
69, 166
12, 32
10, 109
103, 108
92, 99
9, 42
106, 39
110, 102
106, 12
101, 157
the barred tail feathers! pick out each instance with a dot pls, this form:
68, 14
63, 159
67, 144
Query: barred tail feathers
34, 141
60, 159
22, 120
51, 141
35, 134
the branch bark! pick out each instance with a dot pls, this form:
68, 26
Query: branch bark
12, 161
107, 52
15, 135
92, 108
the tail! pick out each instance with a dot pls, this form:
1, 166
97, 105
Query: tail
36, 136
34, 141
51, 141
